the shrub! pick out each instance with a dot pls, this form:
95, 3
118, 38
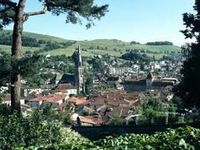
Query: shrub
17, 131
186, 138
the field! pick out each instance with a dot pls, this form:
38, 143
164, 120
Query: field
110, 47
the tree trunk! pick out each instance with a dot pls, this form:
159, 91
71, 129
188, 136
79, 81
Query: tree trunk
16, 55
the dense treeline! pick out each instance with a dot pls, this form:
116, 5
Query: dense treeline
6, 39
30, 42
134, 42
135, 56
159, 43
56, 45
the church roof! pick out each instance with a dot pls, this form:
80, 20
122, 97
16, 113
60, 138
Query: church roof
67, 78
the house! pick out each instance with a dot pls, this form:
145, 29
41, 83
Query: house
27, 91
54, 100
118, 71
78, 101
67, 89
114, 103
36, 102
95, 120
134, 85
150, 83
7, 100
102, 108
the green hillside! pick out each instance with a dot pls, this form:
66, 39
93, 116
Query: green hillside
36, 36
111, 47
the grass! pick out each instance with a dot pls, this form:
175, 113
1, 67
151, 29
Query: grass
7, 48
36, 36
110, 47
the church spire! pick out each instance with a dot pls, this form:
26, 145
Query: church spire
78, 70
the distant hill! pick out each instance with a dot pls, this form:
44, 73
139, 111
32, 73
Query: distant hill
46, 44
35, 36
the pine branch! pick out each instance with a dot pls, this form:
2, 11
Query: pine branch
8, 2
4, 10
36, 12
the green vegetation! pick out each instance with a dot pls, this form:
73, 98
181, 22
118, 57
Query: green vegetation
153, 111
35, 132
160, 43
44, 130
14, 12
6, 37
58, 46
189, 87
180, 139
135, 56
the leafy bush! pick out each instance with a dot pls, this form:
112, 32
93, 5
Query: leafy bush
17, 131
187, 138
35, 132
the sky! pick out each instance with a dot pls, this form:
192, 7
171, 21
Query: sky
128, 20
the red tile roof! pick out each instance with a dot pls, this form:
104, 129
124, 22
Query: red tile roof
53, 98
78, 101
94, 120
115, 98
64, 87
119, 101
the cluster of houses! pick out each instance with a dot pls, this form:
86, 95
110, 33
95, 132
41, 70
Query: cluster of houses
131, 84
100, 109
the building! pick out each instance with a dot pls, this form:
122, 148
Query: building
54, 100
150, 83
78, 70
67, 89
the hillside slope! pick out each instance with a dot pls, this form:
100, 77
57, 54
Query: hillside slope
59, 46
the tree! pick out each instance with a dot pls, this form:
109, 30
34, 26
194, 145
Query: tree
5, 68
150, 108
136, 56
13, 11
189, 87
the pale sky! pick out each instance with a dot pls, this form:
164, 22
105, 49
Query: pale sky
127, 20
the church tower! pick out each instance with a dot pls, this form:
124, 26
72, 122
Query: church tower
78, 70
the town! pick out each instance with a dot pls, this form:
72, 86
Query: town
113, 94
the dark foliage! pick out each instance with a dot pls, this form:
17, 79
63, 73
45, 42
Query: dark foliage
134, 56
6, 39
134, 42
159, 43
189, 88
76, 9
4, 68
17, 131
